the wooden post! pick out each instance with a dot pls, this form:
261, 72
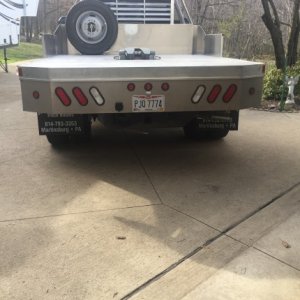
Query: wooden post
4, 65
5, 59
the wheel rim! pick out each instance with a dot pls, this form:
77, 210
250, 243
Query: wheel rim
91, 27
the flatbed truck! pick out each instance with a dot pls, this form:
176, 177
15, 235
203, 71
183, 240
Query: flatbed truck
136, 64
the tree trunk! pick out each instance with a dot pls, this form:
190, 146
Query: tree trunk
292, 54
27, 29
272, 22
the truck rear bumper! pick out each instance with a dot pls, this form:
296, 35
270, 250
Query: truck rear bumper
183, 74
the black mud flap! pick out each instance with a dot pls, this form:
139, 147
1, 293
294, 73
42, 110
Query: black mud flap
228, 121
62, 124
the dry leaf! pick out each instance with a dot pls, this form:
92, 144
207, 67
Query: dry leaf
286, 244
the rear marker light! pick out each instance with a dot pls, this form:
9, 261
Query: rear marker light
36, 95
131, 87
80, 96
230, 93
148, 87
165, 86
99, 99
252, 91
215, 92
63, 96
199, 93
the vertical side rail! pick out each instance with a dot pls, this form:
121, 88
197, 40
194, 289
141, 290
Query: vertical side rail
4, 65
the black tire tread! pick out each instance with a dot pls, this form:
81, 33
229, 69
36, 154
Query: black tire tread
58, 140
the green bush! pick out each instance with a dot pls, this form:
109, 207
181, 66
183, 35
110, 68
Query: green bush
275, 85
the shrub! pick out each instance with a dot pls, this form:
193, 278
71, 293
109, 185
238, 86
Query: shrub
275, 85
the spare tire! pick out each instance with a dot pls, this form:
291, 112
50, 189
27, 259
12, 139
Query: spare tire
92, 27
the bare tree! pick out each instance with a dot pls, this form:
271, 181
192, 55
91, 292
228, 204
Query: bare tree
49, 12
27, 28
245, 35
274, 24
292, 53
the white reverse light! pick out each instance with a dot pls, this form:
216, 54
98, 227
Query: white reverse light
97, 96
198, 94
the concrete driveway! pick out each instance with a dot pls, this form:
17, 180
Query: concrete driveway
149, 216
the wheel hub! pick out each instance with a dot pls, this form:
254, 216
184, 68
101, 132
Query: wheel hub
91, 27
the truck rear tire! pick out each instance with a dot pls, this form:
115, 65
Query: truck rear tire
217, 134
58, 140
92, 27
193, 131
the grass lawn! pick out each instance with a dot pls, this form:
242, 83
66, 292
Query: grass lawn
23, 52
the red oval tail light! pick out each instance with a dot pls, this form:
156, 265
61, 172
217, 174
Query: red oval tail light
215, 92
80, 96
230, 93
63, 96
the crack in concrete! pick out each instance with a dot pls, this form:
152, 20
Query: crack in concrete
171, 268
259, 250
146, 173
260, 208
191, 217
79, 213
281, 261
209, 242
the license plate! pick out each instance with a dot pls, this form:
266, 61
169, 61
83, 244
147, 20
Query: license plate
150, 103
